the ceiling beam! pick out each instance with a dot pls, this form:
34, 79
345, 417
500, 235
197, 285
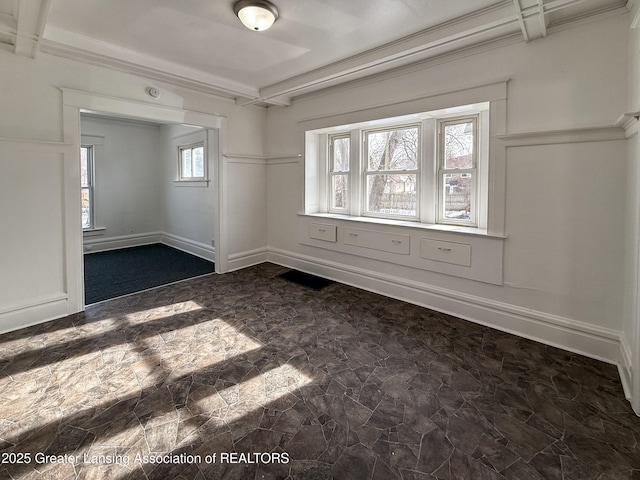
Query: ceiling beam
496, 21
31, 16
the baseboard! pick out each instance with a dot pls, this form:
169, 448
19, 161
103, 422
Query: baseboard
94, 244
248, 258
202, 250
625, 366
565, 333
198, 249
45, 309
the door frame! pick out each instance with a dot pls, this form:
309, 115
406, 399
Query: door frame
73, 103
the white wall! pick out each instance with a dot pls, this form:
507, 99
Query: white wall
39, 176
563, 256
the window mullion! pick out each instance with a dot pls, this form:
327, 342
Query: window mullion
355, 177
428, 178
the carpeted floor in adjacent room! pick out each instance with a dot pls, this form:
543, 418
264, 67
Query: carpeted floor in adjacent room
335, 383
115, 273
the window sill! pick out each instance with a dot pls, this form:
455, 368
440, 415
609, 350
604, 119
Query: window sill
94, 232
403, 223
191, 183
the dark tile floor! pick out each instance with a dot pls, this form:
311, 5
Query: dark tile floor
279, 381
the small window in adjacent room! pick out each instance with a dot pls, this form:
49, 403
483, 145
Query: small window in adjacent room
192, 165
87, 184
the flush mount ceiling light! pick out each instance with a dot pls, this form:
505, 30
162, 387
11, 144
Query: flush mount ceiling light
256, 14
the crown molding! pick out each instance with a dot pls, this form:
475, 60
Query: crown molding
496, 21
491, 27
154, 69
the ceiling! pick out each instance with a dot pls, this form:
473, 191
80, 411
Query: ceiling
313, 45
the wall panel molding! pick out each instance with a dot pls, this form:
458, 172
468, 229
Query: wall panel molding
554, 137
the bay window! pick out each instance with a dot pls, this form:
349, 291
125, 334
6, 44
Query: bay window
429, 168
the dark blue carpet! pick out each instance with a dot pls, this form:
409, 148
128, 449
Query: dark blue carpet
120, 272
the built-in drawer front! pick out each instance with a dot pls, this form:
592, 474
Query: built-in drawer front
320, 231
385, 242
448, 252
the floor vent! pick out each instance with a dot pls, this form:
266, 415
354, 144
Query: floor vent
306, 279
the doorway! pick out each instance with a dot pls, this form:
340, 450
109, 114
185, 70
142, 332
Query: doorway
78, 104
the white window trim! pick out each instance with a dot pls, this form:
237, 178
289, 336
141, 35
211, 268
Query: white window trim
330, 174
493, 200
365, 172
191, 180
91, 152
428, 174
479, 161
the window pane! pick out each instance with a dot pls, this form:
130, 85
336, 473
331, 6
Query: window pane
84, 166
339, 191
457, 196
198, 162
86, 208
393, 149
458, 145
391, 194
340, 157
186, 162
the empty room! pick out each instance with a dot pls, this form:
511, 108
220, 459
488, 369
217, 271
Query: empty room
420, 220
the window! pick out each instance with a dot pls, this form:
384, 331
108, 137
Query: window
191, 162
339, 146
429, 168
87, 186
391, 172
457, 173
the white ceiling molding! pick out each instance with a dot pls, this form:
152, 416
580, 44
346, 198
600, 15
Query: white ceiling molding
497, 22
129, 61
22, 23
634, 7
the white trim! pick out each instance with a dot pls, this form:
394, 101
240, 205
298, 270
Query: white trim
95, 102
73, 101
42, 310
132, 62
95, 245
247, 258
566, 333
466, 95
193, 247
553, 137
629, 123
263, 160
625, 367
191, 183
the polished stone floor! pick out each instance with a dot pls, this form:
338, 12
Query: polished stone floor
248, 376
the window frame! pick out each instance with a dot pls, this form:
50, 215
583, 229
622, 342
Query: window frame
429, 174
192, 146
442, 170
90, 186
331, 173
366, 172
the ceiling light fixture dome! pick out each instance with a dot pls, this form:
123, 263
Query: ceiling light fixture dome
256, 15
